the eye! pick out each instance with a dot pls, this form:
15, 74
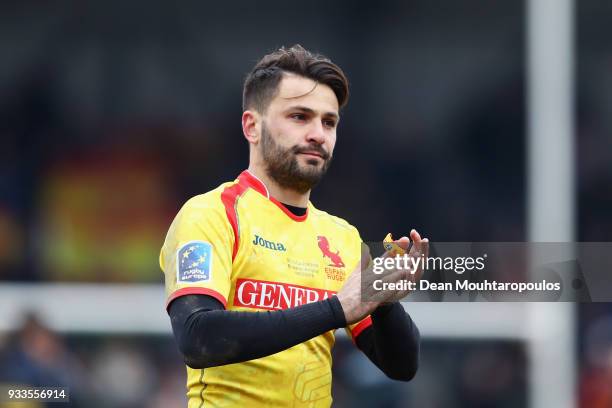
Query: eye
298, 116
329, 123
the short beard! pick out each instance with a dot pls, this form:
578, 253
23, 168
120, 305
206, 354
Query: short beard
283, 167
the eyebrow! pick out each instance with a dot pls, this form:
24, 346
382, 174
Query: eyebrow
312, 112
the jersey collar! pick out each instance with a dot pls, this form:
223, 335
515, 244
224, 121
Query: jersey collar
248, 179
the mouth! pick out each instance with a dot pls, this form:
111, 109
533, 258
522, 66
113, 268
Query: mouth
312, 154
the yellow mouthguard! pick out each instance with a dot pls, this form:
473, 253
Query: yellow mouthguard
391, 245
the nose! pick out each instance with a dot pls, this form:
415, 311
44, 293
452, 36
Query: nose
316, 134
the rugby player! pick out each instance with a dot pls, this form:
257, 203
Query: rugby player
257, 278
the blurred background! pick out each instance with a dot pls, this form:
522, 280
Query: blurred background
113, 114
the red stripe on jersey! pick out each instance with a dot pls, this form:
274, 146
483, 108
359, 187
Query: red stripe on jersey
256, 184
361, 326
291, 215
197, 291
229, 197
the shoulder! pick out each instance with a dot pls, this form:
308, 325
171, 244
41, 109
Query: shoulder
207, 207
333, 221
206, 202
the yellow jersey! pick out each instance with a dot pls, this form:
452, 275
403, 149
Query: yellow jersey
241, 246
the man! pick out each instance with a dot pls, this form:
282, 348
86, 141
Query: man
257, 244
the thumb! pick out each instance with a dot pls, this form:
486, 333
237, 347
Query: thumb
366, 257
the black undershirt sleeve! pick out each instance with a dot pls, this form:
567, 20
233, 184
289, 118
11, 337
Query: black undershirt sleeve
392, 342
208, 335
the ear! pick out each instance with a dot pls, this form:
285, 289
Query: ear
251, 126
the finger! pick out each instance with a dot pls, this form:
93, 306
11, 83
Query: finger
425, 246
425, 254
404, 243
416, 238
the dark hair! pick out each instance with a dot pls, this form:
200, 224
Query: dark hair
261, 84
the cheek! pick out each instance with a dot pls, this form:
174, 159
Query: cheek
288, 135
280, 135
332, 142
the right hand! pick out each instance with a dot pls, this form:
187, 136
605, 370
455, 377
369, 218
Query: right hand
350, 294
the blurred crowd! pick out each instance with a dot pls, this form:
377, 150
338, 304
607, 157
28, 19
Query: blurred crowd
137, 371
101, 371
95, 371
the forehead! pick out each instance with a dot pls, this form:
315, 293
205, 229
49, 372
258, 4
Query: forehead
296, 90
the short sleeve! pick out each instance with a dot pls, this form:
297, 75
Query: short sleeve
197, 254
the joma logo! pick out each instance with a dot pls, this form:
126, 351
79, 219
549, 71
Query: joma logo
276, 246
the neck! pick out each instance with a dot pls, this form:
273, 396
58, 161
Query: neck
283, 195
